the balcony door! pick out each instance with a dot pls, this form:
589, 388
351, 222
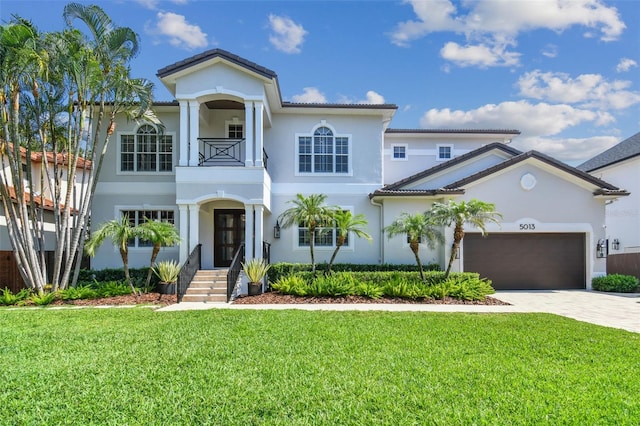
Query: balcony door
228, 234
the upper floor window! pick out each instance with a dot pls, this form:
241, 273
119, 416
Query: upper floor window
138, 217
399, 152
146, 151
323, 152
445, 152
235, 131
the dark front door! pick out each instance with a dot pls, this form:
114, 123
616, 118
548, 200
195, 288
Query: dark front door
228, 234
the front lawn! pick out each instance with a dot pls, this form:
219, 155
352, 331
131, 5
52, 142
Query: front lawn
137, 366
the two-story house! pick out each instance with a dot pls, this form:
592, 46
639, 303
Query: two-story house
233, 154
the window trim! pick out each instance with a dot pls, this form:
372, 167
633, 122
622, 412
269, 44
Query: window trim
134, 133
336, 135
117, 213
350, 246
235, 122
444, 145
406, 151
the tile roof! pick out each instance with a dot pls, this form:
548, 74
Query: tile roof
603, 186
62, 158
626, 149
46, 203
464, 131
451, 163
215, 53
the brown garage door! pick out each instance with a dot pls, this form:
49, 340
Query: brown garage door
527, 261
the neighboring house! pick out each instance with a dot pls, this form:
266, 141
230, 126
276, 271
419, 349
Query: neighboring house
620, 165
42, 184
233, 154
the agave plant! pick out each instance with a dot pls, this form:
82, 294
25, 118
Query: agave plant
256, 270
167, 271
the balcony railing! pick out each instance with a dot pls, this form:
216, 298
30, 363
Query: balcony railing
224, 152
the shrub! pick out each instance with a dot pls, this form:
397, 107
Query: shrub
113, 288
167, 271
42, 299
333, 285
80, 292
256, 269
283, 269
616, 283
292, 284
369, 289
7, 298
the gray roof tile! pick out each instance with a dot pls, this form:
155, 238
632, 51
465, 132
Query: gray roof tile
628, 148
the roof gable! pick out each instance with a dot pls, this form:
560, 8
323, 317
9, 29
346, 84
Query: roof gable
624, 150
469, 156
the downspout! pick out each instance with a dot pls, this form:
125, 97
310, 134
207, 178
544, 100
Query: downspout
379, 205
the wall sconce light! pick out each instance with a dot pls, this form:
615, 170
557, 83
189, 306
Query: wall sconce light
601, 248
276, 230
615, 244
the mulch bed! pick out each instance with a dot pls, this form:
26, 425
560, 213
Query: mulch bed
275, 297
144, 299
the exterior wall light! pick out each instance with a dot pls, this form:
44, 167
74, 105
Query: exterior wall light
276, 230
601, 248
615, 244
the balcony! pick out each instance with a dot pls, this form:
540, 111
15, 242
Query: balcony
216, 152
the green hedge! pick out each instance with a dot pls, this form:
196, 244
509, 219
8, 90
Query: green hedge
617, 283
283, 269
138, 276
408, 285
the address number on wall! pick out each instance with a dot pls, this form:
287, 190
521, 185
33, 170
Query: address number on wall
527, 226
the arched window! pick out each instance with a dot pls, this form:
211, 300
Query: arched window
323, 152
146, 151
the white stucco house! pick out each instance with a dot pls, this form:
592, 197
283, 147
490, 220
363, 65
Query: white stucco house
234, 153
620, 165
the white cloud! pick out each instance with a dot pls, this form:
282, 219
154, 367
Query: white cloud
372, 98
311, 95
550, 51
287, 36
489, 25
626, 64
153, 4
588, 90
180, 33
570, 150
480, 55
540, 119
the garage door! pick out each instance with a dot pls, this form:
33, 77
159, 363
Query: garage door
527, 261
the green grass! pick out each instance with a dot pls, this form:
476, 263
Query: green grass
230, 367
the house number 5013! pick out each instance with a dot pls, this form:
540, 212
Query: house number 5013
527, 226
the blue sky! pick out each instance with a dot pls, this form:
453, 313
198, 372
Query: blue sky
563, 72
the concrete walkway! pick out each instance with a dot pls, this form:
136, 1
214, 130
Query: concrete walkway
606, 309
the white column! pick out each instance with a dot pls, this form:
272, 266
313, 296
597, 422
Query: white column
184, 232
259, 107
194, 132
184, 133
259, 223
194, 229
248, 133
248, 231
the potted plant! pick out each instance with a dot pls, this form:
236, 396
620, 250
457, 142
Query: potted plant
167, 272
255, 270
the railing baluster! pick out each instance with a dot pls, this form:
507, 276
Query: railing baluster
234, 270
188, 271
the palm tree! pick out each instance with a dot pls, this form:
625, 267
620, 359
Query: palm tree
472, 212
309, 212
419, 228
346, 222
120, 232
160, 234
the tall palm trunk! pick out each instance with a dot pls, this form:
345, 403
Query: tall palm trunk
415, 247
458, 235
312, 238
154, 255
339, 243
125, 262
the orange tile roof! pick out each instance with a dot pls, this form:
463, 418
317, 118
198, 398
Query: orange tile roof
46, 203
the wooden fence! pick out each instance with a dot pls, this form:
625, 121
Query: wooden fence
625, 263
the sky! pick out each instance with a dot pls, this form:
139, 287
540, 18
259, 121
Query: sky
565, 73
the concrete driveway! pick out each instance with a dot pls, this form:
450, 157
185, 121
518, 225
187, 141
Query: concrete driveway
617, 310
